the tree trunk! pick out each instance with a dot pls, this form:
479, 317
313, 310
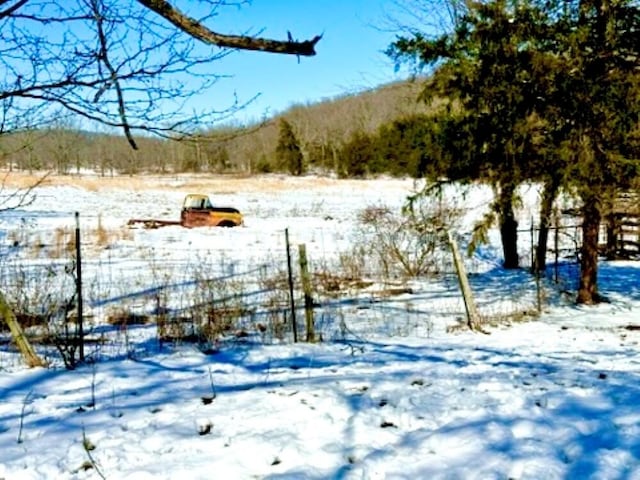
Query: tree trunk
549, 194
508, 226
588, 290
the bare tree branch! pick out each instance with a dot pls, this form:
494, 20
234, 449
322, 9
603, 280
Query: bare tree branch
20, 197
104, 58
134, 65
194, 28
12, 8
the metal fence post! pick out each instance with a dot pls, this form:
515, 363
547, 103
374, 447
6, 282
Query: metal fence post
79, 288
294, 326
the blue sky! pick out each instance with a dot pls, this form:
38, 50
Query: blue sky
349, 57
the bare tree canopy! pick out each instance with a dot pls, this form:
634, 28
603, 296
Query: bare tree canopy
131, 65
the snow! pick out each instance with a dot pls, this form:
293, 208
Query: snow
398, 395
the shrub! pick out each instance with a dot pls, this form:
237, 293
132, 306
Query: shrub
406, 243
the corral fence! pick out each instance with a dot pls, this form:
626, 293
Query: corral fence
618, 239
562, 252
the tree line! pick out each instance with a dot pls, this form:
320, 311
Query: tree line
321, 131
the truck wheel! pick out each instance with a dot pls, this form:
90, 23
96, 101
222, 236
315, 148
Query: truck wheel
227, 224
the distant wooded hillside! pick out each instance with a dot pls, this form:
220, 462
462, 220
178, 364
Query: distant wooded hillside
319, 131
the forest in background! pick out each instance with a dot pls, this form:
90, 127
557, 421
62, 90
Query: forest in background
321, 131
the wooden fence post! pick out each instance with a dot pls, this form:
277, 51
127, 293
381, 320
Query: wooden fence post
27, 351
473, 318
556, 246
535, 266
306, 287
534, 261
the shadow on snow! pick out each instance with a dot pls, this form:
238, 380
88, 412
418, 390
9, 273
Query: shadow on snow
574, 412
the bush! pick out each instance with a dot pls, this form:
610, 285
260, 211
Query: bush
406, 243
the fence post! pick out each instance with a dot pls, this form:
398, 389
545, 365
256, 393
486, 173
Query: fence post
538, 291
28, 353
306, 287
79, 288
556, 246
294, 325
534, 261
535, 267
473, 318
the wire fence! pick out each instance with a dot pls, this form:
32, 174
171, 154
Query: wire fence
135, 297
562, 257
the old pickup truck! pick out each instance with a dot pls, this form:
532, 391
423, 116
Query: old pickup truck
197, 211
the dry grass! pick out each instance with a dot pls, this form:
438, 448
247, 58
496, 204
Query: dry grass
23, 180
123, 318
64, 242
192, 182
15, 237
103, 237
37, 246
101, 233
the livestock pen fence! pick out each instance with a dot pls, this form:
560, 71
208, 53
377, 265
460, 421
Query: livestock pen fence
124, 302
618, 239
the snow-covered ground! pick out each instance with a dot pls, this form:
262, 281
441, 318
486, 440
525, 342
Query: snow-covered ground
395, 395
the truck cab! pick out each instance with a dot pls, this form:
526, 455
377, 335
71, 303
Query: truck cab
198, 211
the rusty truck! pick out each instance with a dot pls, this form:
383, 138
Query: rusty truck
197, 211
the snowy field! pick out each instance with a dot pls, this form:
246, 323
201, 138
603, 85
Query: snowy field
398, 395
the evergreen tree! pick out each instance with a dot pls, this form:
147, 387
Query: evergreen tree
431, 146
484, 68
599, 95
404, 147
288, 152
550, 92
356, 155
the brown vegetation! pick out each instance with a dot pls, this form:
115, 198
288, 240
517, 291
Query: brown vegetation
321, 129
221, 184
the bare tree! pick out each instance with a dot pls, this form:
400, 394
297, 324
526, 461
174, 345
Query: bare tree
130, 65
407, 17
126, 64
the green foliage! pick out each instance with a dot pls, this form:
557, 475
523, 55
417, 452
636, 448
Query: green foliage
545, 89
404, 146
263, 165
357, 156
480, 232
431, 146
485, 71
519, 101
288, 152
597, 90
